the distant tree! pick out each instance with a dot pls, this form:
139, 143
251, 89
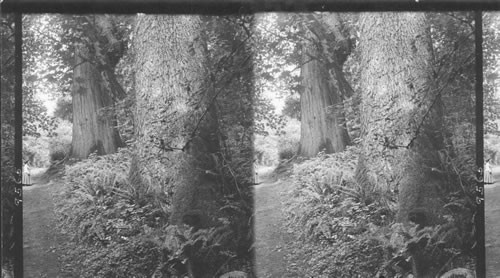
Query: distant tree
76, 56
304, 54
95, 87
324, 51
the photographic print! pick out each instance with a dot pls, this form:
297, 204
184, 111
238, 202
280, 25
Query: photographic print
138, 141
260, 144
375, 159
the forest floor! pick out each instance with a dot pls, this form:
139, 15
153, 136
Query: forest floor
492, 225
41, 239
271, 236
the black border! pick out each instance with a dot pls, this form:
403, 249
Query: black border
253, 6
240, 6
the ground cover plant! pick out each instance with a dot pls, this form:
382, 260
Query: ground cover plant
344, 228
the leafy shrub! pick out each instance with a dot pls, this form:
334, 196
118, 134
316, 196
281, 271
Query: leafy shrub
103, 204
265, 149
346, 230
36, 150
339, 220
99, 207
60, 143
121, 226
287, 153
58, 155
288, 142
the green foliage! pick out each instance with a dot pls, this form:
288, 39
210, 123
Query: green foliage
491, 40
336, 221
345, 229
268, 147
36, 151
451, 244
439, 247
64, 109
289, 140
35, 118
103, 198
60, 144
292, 108
492, 148
118, 219
7, 125
103, 211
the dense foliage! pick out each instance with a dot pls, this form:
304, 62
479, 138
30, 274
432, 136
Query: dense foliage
343, 229
7, 133
112, 217
120, 214
491, 39
126, 224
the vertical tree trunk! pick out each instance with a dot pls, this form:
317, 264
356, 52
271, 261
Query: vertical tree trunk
322, 116
401, 117
91, 132
173, 145
194, 133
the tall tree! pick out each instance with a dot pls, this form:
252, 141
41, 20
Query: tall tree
401, 118
169, 48
316, 45
185, 144
95, 87
90, 131
324, 86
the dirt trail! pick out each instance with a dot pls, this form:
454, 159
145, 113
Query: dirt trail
492, 225
270, 234
40, 237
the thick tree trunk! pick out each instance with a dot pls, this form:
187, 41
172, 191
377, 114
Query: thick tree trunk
194, 133
322, 115
170, 99
91, 132
401, 117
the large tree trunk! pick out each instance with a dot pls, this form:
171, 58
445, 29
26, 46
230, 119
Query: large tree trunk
91, 132
401, 117
322, 114
193, 132
173, 145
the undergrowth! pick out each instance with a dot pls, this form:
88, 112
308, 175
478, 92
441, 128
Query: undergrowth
121, 229
344, 229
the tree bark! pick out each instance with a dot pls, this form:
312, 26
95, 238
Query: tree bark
194, 126
173, 145
91, 132
401, 117
322, 117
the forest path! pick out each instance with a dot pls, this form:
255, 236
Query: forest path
270, 232
492, 225
41, 240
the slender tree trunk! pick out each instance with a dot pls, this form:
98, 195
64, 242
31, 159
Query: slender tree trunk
401, 117
91, 132
322, 114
